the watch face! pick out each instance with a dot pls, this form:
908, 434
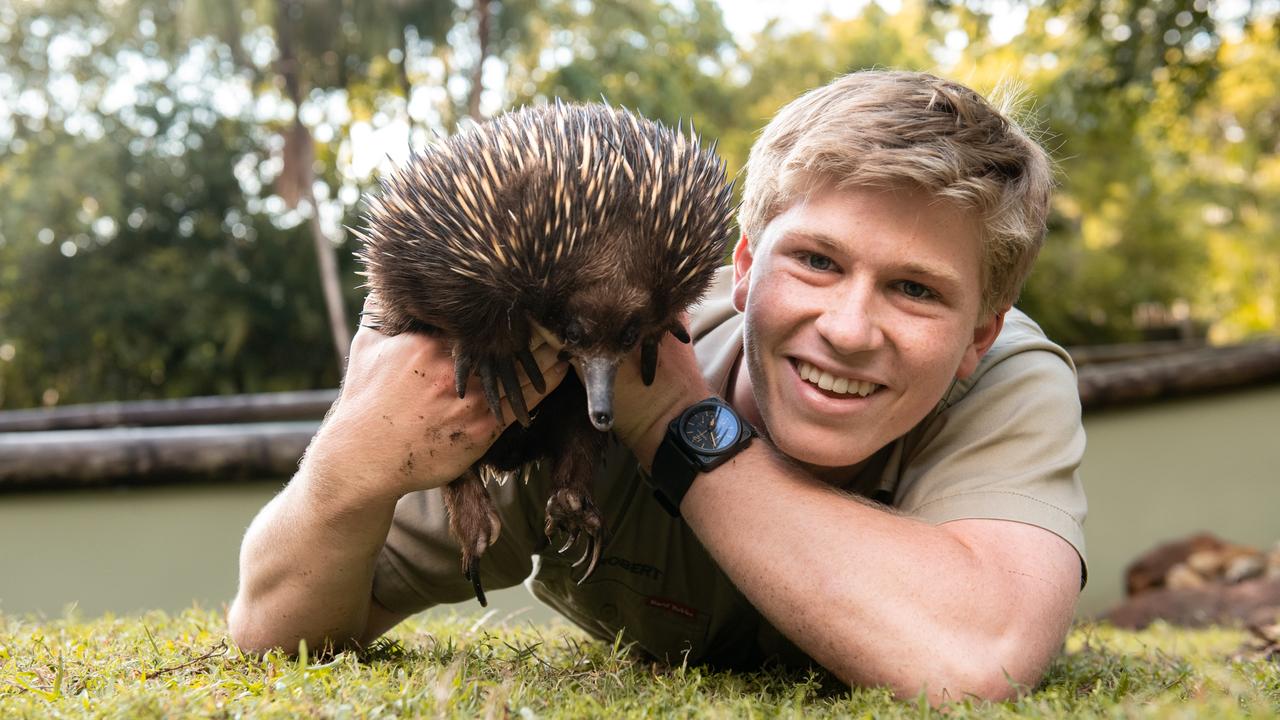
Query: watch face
710, 428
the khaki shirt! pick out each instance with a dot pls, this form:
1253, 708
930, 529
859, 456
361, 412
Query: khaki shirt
1004, 443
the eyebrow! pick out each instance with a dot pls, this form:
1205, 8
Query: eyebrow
936, 274
939, 274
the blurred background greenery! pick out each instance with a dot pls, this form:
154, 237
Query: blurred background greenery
168, 170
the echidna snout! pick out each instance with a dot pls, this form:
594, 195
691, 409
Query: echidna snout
598, 373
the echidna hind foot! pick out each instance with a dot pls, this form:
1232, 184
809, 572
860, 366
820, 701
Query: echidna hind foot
573, 514
474, 522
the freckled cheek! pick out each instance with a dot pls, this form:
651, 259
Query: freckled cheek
932, 353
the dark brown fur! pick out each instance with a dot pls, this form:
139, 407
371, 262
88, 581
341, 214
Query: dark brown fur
588, 220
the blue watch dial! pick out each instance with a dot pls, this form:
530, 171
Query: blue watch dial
710, 428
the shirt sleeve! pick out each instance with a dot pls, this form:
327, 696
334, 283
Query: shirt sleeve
1009, 449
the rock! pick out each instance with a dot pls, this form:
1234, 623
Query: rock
1151, 569
1245, 567
1207, 562
1183, 575
1248, 603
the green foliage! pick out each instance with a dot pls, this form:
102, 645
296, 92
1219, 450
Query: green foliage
185, 666
144, 250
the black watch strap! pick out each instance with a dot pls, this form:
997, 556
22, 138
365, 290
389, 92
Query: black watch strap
677, 463
673, 474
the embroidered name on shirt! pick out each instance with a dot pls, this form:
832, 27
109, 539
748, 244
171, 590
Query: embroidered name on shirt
634, 568
671, 606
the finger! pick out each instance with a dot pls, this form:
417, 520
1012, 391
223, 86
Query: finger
546, 335
545, 356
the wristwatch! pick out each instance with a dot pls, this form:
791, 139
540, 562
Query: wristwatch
704, 436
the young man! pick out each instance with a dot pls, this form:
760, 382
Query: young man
911, 517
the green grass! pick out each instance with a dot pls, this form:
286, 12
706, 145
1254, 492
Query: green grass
158, 665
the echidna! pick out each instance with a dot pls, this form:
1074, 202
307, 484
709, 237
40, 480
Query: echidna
590, 221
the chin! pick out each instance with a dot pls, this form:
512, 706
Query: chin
818, 448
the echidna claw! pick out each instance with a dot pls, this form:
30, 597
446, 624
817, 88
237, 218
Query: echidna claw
461, 372
472, 573
515, 395
531, 369
595, 558
649, 360
679, 332
490, 384
591, 543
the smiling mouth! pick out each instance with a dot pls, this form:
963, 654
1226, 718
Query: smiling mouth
832, 383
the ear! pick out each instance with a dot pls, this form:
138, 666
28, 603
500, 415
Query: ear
984, 336
741, 272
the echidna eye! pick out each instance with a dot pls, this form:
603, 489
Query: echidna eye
630, 336
573, 333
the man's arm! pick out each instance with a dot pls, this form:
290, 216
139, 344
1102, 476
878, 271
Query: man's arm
969, 607
307, 561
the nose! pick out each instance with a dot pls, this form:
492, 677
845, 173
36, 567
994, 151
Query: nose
852, 322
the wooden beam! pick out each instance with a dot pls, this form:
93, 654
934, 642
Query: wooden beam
82, 458
1193, 372
262, 407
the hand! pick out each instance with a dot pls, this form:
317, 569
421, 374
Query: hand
641, 413
398, 424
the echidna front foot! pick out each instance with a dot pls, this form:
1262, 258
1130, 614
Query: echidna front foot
572, 512
497, 375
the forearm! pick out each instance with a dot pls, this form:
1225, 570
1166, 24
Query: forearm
306, 565
877, 598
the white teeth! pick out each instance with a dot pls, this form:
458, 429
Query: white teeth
827, 381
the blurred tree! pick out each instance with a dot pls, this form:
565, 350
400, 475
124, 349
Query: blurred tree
1113, 83
781, 65
134, 135
670, 61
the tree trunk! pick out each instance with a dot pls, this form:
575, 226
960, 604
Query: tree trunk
296, 184
484, 17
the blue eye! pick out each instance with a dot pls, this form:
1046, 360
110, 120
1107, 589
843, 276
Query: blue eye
822, 263
916, 291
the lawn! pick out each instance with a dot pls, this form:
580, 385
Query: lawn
158, 665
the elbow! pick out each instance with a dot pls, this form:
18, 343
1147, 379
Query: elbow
952, 670
248, 631
991, 669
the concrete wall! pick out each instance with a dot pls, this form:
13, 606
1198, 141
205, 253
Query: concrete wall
1164, 470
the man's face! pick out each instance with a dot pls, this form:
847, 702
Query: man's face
873, 293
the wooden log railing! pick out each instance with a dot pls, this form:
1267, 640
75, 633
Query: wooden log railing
1197, 371
83, 458
261, 407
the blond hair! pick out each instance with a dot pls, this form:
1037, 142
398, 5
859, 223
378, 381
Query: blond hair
888, 129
